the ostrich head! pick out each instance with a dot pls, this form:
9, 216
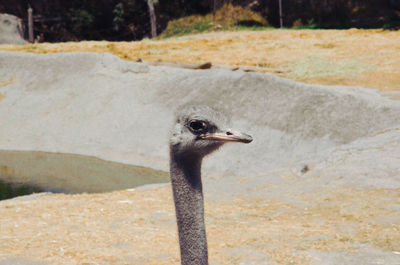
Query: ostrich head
200, 130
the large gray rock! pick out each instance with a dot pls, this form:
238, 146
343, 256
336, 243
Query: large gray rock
11, 30
98, 104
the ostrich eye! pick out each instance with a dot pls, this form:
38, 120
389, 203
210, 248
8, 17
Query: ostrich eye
198, 126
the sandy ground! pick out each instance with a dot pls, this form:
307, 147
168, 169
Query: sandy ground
319, 223
138, 227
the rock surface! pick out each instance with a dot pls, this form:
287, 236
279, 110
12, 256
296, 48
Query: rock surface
100, 105
11, 30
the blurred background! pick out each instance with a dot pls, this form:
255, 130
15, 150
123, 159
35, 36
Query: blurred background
125, 20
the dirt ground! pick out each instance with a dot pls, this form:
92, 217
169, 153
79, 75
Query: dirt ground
138, 226
127, 227
367, 58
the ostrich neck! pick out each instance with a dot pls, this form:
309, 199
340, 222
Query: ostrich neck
189, 207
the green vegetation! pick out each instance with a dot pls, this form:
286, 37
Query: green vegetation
228, 17
311, 24
395, 25
81, 21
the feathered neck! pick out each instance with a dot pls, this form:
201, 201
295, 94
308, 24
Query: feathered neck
185, 172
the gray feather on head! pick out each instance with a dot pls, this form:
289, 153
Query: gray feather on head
185, 139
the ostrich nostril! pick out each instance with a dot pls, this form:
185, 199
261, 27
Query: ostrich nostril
229, 133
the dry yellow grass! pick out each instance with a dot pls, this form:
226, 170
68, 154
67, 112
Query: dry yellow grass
138, 227
368, 58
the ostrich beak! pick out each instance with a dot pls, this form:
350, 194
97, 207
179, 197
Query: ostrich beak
228, 136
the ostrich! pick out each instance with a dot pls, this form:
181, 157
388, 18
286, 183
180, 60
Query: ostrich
199, 130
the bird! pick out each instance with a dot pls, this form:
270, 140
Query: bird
198, 131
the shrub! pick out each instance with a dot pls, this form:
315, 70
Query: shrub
226, 18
